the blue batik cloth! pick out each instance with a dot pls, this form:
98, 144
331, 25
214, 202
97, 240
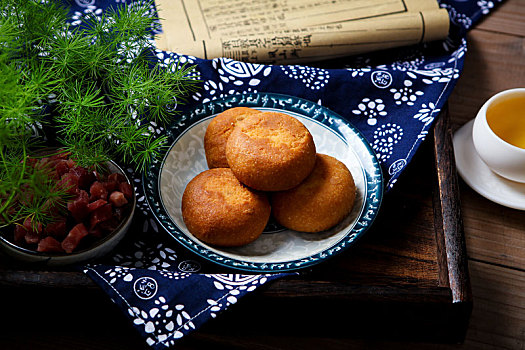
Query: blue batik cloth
392, 97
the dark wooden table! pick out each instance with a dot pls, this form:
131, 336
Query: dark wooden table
396, 283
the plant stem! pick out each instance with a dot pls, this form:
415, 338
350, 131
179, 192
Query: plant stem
14, 192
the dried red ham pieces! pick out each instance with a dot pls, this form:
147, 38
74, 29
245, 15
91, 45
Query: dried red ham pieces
98, 191
73, 238
95, 205
118, 199
98, 204
49, 244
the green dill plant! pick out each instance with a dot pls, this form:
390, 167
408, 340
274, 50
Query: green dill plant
94, 88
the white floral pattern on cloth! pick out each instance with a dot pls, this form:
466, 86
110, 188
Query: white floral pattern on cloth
408, 65
235, 284
435, 74
175, 61
88, 9
162, 323
234, 78
232, 71
358, 72
371, 109
459, 53
485, 6
385, 138
406, 94
310, 77
163, 313
145, 256
458, 18
426, 113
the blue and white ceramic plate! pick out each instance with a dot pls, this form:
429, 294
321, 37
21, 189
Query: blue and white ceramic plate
277, 249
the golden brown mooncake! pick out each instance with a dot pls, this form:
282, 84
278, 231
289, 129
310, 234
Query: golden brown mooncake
320, 202
270, 151
219, 210
217, 134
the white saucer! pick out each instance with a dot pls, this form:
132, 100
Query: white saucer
479, 176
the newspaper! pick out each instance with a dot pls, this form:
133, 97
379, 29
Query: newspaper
295, 31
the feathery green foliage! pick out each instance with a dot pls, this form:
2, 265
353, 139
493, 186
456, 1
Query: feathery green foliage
95, 84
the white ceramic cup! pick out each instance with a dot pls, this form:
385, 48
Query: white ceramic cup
500, 156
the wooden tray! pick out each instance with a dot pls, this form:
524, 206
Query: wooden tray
407, 279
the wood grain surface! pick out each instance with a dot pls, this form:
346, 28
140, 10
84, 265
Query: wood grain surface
494, 235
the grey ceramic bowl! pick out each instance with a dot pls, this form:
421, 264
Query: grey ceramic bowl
97, 250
